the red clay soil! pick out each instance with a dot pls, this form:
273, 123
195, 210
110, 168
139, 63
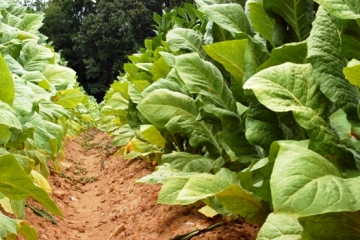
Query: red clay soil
99, 200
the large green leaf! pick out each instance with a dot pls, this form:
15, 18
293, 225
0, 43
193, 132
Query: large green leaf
231, 55
352, 72
303, 183
202, 77
185, 39
17, 185
292, 87
343, 9
7, 226
261, 21
187, 162
152, 135
59, 76
47, 135
178, 113
34, 57
7, 91
229, 16
295, 14
280, 227
9, 123
31, 22
291, 52
335, 226
69, 98
190, 189
326, 57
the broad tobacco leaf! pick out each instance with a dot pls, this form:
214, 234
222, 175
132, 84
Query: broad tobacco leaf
230, 16
178, 113
187, 162
261, 21
303, 183
326, 56
69, 98
31, 23
185, 39
9, 123
7, 226
59, 76
292, 87
231, 55
291, 52
7, 91
35, 57
201, 77
186, 190
280, 227
16, 184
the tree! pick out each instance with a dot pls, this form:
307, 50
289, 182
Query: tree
106, 37
62, 22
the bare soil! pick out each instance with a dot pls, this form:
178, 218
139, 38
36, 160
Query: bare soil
99, 199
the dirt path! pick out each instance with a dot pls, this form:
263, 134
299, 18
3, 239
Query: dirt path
99, 200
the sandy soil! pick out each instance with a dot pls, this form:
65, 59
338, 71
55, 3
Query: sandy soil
99, 200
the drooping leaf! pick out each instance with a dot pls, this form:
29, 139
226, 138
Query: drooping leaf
17, 185
339, 122
69, 98
185, 39
31, 22
313, 188
280, 227
7, 91
123, 135
291, 87
187, 162
229, 16
27, 231
261, 21
328, 61
231, 55
34, 57
9, 123
202, 76
291, 52
7, 226
59, 76
190, 189
161, 173
177, 113
152, 135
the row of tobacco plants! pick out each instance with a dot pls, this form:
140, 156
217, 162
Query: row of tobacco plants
252, 110
40, 103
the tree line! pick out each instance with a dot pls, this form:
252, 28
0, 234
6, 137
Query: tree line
95, 36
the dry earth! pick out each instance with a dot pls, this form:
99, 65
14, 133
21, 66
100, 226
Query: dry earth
99, 200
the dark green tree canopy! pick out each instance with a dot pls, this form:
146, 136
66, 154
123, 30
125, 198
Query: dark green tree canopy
109, 35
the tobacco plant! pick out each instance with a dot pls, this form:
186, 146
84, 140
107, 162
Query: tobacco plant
252, 111
40, 103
